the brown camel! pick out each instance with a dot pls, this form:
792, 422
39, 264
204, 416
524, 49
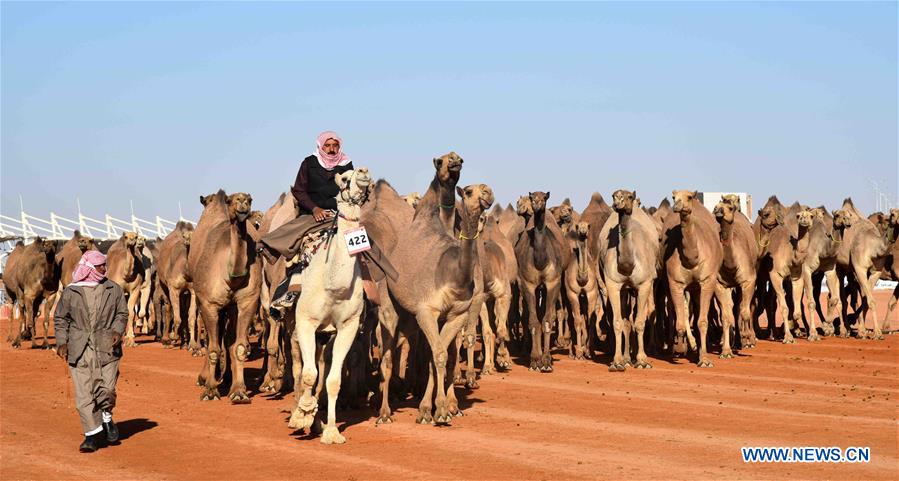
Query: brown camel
71, 253
30, 277
124, 266
892, 261
386, 216
787, 249
278, 333
629, 259
737, 273
821, 261
436, 275
226, 276
863, 252
581, 282
542, 254
172, 275
692, 258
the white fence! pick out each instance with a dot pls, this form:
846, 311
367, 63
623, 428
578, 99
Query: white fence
26, 227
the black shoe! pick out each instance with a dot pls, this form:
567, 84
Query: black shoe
112, 432
91, 443
281, 305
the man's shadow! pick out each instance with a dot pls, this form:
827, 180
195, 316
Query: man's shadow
131, 427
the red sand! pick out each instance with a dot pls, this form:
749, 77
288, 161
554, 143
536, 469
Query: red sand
580, 422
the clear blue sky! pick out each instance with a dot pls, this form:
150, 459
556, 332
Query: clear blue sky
162, 102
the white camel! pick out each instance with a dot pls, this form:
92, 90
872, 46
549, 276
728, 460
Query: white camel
331, 299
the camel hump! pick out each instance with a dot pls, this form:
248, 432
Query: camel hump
596, 198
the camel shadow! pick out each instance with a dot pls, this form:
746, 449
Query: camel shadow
130, 427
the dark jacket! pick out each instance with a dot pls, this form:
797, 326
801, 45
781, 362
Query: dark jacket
315, 185
73, 327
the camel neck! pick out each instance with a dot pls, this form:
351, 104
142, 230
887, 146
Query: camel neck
469, 239
130, 260
582, 261
540, 219
627, 258
726, 236
341, 266
689, 242
237, 255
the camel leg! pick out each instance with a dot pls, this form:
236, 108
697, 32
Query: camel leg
457, 367
614, 290
427, 321
193, 325
387, 327
747, 332
170, 335
489, 339
471, 334
844, 305
892, 305
342, 343
834, 306
777, 283
553, 291
207, 377
867, 287
143, 304
725, 298
706, 292
274, 375
530, 297
682, 321
563, 340
501, 309
644, 294
579, 339
303, 415
129, 331
242, 315
593, 308
24, 322
797, 286
808, 288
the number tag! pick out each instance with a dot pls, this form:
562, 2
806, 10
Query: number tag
356, 241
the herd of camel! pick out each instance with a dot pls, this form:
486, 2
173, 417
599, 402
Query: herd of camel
623, 279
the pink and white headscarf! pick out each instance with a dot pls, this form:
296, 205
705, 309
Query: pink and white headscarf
329, 161
86, 273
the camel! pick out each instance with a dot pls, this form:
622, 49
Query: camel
863, 252
629, 259
70, 254
566, 218
692, 257
737, 273
385, 216
436, 276
30, 277
226, 275
787, 248
412, 199
892, 261
124, 266
542, 259
146, 248
172, 275
581, 281
278, 333
820, 261
331, 296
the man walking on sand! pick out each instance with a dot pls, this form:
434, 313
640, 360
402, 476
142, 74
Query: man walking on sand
89, 323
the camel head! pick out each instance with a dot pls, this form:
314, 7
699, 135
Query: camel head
239, 206
819, 212
129, 239
563, 213
683, 201
476, 198
842, 218
724, 212
256, 217
538, 200
47, 246
894, 216
732, 199
448, 167
623, 201
354, 185
770, 216
85, 244
412, 199
206, 199
582, 229
140, 242
524, 207
185, 237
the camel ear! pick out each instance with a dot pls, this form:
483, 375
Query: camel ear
634, 194
673, 194
460, 191
695, 194
547, 195
203, 201
436, 163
